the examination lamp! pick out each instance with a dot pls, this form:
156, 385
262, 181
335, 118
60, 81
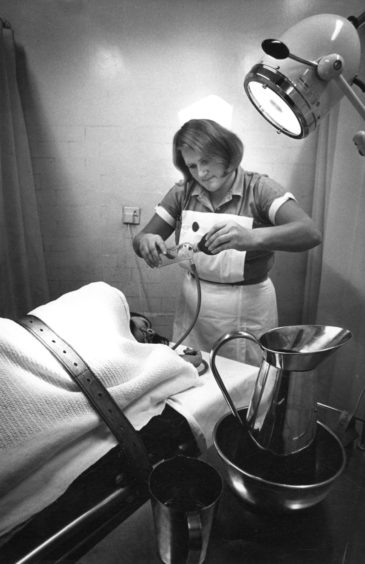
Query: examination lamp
293, 89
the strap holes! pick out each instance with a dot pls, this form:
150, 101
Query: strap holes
41, 330
64, 352
75, 363
53, 341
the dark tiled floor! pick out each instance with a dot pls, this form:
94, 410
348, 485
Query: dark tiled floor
332, 532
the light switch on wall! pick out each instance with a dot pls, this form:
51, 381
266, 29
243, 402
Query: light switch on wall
131, 214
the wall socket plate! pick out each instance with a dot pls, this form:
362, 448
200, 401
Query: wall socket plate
131, 214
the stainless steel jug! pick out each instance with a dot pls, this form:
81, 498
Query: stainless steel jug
184, 494
281, 416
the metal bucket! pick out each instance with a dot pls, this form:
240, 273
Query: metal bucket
184, 495
276, 483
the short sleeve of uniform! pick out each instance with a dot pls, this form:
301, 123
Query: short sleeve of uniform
269, 196
169, 209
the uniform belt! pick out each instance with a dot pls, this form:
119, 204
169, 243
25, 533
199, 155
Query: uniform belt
239, 283
130, 442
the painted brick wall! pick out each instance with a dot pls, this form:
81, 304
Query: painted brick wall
102, 84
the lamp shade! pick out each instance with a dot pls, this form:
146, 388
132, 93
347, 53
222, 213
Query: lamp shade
290, 94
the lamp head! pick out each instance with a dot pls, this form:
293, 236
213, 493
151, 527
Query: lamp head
293, 93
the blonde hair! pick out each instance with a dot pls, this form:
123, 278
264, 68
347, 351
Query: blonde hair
211, 139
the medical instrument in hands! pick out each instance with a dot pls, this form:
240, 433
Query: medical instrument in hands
183, 251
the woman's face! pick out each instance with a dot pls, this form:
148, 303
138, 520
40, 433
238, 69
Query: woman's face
209, 172
141, 329
143, 333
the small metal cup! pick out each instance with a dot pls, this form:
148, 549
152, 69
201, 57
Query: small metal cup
184, 495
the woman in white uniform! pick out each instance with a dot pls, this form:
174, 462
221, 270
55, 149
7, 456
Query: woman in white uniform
245, 217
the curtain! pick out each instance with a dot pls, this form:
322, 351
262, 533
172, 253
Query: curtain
326, 143
23, 281
335, 285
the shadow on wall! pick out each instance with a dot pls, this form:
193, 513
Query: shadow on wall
288, 276
39, 136
291, 163
72, 258
290, 269
342, 377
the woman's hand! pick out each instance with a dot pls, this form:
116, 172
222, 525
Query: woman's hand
293, 231
151, 246
229, 235
150, 242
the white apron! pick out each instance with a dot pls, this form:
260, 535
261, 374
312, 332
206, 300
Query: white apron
224, 308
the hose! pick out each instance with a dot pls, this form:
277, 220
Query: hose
198, 305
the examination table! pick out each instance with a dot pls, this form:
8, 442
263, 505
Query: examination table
88, 489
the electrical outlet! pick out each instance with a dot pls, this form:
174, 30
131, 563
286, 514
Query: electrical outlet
131, 214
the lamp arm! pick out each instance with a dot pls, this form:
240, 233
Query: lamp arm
357, 21
359, 137
312, 64
359, 83
350, 94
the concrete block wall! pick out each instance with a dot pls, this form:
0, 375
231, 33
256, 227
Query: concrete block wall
102, 84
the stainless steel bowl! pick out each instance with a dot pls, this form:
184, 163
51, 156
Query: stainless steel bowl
273, 482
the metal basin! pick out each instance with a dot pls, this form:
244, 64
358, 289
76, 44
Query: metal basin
272, 482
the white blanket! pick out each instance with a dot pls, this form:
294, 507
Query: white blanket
46, 421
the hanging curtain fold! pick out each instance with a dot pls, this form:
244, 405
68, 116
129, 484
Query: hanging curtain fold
23, 280
326, 143
335, 287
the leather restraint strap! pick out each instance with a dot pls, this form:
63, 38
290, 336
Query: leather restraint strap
131, 443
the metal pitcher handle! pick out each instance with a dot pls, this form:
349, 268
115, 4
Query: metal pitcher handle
224, 339
195, 537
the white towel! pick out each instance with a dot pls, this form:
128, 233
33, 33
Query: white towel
49, 433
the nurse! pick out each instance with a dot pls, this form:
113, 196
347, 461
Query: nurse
245, 217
